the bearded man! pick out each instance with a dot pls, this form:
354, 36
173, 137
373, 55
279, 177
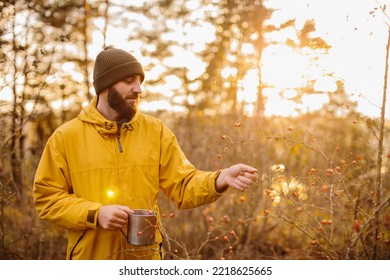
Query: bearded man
111, 159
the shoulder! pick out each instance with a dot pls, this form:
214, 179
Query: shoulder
141, 117
70, 126
66, 129
150, 121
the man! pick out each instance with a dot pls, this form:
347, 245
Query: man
111, 159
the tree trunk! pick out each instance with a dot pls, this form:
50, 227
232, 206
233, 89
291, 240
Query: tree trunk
86, 40
378, 186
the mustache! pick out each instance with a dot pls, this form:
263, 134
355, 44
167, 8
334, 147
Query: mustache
132, 96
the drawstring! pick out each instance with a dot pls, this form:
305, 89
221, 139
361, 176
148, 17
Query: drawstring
108, 125
129, 127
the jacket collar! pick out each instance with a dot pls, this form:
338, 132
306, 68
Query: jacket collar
91, 115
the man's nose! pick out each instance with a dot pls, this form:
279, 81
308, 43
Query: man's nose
138, 88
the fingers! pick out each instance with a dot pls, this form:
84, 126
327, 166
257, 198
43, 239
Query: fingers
125, 209
247, 174
247, 169
239, 186
115, 223
113, 217
245, 177
242, 183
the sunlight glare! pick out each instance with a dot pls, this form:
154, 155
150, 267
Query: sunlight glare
110, 193
282, 67
173, 82
156, 72
179, 99
325, 84
254, 36
281, 107
6, 94
191, 100
69, 68
186, 59
248, 87
247, 49
313, 102
179, 109
160, 105
56, 105
195, 86
357, 37
192, 4
29, 106
249, 109
290, 93
228, 72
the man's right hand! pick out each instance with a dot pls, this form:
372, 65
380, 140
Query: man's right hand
113, 217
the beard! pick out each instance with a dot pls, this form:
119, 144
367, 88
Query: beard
118, 103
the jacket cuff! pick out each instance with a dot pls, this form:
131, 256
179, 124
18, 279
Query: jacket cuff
92, 217
212, 183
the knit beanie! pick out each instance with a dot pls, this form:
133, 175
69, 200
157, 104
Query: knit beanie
113, 65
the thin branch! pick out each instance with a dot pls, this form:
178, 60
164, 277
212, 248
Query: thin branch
385, 203
378, 186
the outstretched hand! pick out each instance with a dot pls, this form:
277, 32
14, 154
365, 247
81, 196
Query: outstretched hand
239, 177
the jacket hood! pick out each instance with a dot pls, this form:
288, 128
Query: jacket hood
91, 115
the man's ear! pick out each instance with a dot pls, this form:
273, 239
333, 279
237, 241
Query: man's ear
102, 94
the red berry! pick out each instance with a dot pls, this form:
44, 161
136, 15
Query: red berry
356, 225
329, 172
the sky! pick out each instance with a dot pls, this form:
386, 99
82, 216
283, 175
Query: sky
357, 31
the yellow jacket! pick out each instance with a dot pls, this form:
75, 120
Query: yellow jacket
90, 161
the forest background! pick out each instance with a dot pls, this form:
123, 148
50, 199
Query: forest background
236, 82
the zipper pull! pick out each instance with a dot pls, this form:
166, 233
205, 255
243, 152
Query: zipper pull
119, 143
119, 137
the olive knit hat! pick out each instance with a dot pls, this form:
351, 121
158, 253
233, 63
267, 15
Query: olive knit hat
113, 65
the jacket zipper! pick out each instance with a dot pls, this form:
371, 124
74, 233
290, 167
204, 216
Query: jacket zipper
74, 247
118, 136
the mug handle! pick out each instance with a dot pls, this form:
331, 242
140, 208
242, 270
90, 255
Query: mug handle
128, 226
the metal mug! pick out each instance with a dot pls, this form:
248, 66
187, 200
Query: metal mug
141, 228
